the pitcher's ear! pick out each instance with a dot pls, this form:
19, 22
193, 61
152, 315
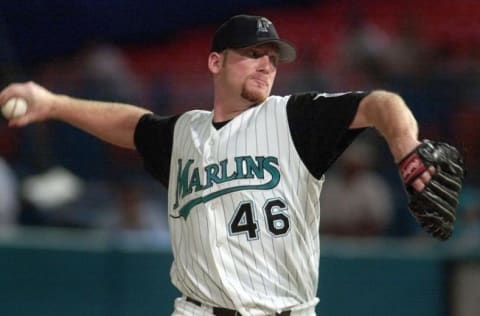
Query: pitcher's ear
215, 62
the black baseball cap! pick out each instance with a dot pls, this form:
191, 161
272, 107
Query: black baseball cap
243, 30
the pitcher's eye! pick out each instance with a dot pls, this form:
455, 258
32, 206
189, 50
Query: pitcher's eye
253, 54
274, 60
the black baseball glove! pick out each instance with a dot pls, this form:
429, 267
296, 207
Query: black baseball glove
435, 206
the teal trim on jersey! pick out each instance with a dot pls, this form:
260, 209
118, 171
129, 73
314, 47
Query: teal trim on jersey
184, 187
185, 210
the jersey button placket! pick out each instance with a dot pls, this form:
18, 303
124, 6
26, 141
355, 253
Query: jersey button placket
215, 205
209, 150
211, 157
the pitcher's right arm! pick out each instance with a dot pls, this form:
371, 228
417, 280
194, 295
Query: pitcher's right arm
112, 122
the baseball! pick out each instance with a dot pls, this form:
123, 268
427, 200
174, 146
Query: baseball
15, 107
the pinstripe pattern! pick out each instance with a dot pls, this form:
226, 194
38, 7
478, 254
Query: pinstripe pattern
275, 269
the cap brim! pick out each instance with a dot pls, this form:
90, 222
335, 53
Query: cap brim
287, 52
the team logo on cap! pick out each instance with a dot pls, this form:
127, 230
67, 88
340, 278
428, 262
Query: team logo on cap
263, 25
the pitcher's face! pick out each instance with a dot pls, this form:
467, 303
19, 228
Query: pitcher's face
251, 71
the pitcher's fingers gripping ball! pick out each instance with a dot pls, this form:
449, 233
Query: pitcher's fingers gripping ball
14, 107
435, 206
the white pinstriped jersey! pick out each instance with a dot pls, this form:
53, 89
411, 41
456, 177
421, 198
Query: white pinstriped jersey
244, 212
244, 198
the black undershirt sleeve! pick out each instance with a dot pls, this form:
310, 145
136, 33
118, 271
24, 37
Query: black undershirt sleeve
319, 125
154, 141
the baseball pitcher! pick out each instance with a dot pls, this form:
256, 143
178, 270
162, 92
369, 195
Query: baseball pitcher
244, 179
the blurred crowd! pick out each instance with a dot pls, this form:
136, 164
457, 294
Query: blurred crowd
54, 175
